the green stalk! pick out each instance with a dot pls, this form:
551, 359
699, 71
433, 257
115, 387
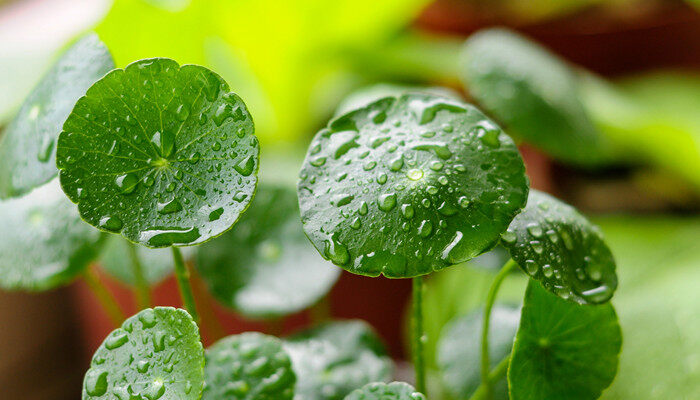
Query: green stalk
490, 299
418, 338
497, 373
183, 282
104, 296
143, 293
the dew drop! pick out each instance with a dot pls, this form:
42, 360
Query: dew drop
169, 207
245, 166
126, 183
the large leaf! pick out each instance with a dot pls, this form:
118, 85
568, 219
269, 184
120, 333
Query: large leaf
336, 358
563, 350
409, 185
28, 146
174, 151
386, 391
533, 93
459, 350
265, 266
556, 245
368, 95
249, 366
43, 242
156, 354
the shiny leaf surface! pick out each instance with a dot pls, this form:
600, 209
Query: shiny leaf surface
386, 391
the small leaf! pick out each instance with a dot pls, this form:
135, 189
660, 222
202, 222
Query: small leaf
386, 391
249, 366
157, 264
409, 185
533, 93
43, 242
563, 350
266, 267
459, 349
336, 358
156, 354
160, 153
27, 147
556, 245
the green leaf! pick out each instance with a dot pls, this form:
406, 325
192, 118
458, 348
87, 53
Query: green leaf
265, 266
559, 247
174, 151
157, 263
249, 366
563, 350
533, 93
409, 185
386, 391
459, 349
28, 145
156, 354
368, 95
43, 242
336, 358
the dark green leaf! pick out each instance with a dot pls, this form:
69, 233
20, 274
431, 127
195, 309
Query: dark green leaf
163, 154
459, 350
386, 391
563, 350
27, 147
336, 358
409, 185
556, 245
249, 366
157, 264
265, 266
43, 242
156, 354
368, 95
532, 92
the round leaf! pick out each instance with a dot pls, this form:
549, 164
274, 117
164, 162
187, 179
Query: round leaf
563, 350
459, 350
386, 391
156, 354
266, 267
163, 154
408, 185
43, 242
531, 92
556, 245
157, 264
336, 358
368, 95
249, 366
27, 147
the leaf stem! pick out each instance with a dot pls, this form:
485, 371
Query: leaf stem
481, 392
210, 322
143, 293
418, 334
183, 282
490, 299
104, 296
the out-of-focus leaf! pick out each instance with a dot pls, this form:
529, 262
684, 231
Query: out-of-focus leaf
386, 391
364, 96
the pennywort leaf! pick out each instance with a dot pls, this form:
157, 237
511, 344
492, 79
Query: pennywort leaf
28, 145
249, 366
266, 267
386, 391
161, 153
563, 350
408, 185
335, 358
559, 247
156, 354
43, 242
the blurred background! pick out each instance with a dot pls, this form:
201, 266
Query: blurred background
295, 61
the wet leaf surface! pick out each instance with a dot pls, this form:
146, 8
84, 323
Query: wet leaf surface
556, 245
249, 366
28, 145
43, 242
386, 391
409, 185
161, 153
156, 354
563, 350
265, 266
336, 358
